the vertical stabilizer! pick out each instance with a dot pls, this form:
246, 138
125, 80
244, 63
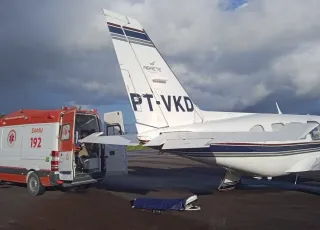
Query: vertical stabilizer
156, 96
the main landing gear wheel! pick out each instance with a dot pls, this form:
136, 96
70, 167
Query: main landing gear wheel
34, 185
230, 181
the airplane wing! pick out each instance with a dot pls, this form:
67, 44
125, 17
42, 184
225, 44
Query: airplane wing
127, 140
184, 140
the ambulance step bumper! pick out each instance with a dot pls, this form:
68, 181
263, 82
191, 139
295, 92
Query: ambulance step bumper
66, 185
82, 179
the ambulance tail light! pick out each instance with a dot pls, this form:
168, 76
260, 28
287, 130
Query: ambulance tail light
55, 161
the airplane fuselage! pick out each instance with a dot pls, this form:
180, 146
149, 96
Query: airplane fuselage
233, 122
269, 164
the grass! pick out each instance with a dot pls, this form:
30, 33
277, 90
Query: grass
137, 148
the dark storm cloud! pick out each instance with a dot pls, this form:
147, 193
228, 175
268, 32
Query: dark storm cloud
55, 52
288, 103
47, 58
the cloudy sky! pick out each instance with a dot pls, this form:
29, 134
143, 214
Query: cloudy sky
56, 53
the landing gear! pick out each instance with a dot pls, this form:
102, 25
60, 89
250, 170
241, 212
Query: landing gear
230, 181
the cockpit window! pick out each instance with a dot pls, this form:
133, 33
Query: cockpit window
315, 133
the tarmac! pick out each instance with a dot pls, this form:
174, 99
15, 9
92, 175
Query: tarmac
258, 204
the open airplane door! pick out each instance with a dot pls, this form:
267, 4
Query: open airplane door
66, 144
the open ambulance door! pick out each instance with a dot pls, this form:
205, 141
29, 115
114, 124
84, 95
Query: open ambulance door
66, 146
114, 123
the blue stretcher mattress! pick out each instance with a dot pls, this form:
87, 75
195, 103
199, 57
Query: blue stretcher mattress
160, 204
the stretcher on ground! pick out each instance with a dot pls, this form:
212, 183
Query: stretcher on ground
164, 204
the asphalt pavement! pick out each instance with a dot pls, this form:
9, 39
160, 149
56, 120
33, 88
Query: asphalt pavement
277, 204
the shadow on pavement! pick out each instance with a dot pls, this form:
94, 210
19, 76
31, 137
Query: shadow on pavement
196, 180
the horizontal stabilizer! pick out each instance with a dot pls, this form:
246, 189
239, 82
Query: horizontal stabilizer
290, 132
306, 165
186, 143
109, 140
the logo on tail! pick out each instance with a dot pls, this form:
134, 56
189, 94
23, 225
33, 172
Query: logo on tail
152, 67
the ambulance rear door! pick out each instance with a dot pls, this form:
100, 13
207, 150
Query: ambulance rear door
66, 146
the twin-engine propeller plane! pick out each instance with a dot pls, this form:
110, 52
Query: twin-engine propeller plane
255, 144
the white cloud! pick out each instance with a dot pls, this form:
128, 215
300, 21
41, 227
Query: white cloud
200, 25
73, 103
275, 42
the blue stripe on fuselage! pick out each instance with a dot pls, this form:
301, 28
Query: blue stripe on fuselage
251, 148
262, 148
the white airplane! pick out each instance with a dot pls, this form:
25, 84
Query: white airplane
245, 144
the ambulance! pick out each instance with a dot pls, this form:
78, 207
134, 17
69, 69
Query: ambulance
40, 148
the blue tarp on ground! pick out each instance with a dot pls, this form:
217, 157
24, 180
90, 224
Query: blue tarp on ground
159, 204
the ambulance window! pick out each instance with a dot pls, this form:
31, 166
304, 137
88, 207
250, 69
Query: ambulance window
257, 128
277, 126
113, 130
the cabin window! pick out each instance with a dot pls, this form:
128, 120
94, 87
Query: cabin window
277, 126
257, 128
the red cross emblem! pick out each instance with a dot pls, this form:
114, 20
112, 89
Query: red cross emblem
12, 137
66, 131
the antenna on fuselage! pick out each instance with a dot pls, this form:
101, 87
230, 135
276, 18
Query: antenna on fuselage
279, 111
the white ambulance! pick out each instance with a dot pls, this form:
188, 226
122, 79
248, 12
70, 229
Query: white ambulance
39, 148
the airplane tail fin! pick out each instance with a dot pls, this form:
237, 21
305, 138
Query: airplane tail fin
157, 98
